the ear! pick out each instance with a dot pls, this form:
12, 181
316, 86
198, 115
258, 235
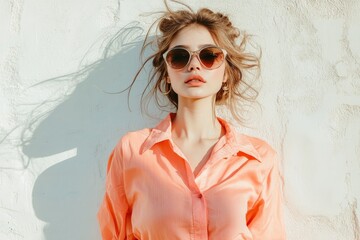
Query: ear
168, 79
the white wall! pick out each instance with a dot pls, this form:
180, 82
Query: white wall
58, 125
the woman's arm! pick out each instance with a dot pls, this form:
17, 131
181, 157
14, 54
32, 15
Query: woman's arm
113, 211
265, 218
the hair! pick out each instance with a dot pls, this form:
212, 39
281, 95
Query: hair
238, 61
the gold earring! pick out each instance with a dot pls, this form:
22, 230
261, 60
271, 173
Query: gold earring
167, 92
225, 87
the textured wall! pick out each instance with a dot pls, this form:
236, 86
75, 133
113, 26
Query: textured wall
58, 60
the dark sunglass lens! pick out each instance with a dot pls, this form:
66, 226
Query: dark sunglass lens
211, 57
178, 58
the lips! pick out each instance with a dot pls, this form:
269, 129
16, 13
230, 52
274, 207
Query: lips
195, 78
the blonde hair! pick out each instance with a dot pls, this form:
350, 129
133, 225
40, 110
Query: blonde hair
238, 61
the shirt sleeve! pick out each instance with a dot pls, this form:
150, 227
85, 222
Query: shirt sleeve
265, 218
112, 215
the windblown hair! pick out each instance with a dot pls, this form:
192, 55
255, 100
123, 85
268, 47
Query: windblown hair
238, 60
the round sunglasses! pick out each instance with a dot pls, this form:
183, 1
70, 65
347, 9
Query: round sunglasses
210, 57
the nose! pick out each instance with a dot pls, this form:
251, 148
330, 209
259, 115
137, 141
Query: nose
194, 63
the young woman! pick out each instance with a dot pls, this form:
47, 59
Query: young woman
193, 176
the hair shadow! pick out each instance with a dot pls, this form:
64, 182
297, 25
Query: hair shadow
90, 121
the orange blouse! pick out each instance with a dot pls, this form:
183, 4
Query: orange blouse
152, 193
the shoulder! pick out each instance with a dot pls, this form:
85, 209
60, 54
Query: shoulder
269, 163
262, 147
135, 136
265, 153
132, 140
256, 147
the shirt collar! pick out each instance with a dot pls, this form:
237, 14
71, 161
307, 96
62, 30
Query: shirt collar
235, 142
158, 134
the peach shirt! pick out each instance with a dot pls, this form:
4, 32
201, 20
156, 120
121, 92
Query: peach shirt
152, 193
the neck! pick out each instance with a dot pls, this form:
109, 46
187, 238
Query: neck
196, 120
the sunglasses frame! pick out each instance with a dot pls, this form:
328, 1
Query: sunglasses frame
196, 54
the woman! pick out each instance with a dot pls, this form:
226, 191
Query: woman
193, 176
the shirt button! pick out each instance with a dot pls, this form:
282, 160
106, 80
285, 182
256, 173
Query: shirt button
199, 195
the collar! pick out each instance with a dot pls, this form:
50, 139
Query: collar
234, 142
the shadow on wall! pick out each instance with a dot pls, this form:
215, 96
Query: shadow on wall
67, 194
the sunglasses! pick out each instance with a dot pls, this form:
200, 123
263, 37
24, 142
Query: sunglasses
210, 57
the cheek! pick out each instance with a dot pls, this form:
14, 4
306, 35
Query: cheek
173, 75
221, 74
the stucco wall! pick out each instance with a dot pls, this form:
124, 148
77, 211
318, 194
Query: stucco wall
58, 60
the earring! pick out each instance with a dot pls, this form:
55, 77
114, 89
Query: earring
225, 87
167, 92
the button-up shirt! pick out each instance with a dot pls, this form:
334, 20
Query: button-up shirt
152, 193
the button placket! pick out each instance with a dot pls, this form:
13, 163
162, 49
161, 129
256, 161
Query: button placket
199, 216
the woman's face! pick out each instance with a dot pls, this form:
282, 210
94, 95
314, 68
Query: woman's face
194, 81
